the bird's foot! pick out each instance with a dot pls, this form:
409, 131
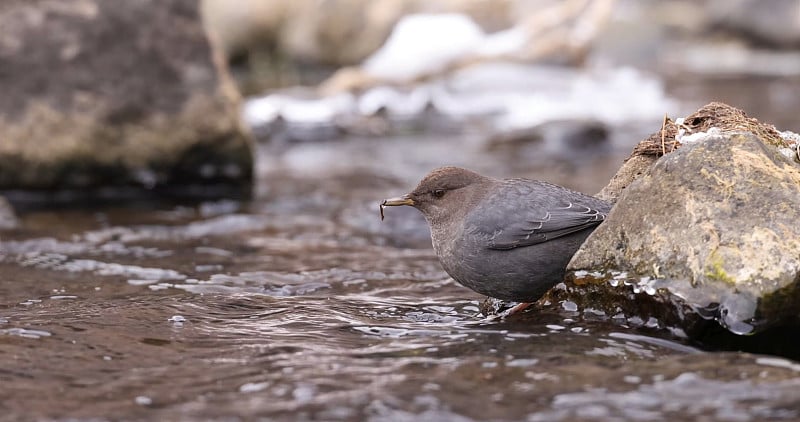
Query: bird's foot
515, 309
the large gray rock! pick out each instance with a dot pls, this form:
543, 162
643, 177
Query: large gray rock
709, 231
98, 93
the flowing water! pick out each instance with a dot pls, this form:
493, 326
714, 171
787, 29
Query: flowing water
302, 305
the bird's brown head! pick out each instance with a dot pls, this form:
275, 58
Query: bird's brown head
443, 193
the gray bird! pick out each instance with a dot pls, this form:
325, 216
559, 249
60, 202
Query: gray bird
509, 239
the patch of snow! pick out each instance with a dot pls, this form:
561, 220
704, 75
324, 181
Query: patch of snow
696, 137
510, 95
323, 110
424, 43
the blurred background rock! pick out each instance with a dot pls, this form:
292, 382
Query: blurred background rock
110, 98
273, 44
530, 78
283, 43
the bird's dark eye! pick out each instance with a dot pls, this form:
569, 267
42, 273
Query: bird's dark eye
438, 193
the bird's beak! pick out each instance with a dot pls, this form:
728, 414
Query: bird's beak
396, 202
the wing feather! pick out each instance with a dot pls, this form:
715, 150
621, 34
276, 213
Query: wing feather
526, 212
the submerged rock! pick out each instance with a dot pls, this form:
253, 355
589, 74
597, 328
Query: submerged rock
8, 220
708, 232
99, 94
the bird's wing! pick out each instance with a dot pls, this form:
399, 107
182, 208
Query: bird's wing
535, 216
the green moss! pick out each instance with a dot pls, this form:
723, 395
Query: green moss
717, 271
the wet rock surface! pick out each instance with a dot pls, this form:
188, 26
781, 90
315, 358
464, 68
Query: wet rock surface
92, 97
708, 232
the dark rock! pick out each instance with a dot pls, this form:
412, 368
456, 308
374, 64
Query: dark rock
708, 232
114, 94
577, 135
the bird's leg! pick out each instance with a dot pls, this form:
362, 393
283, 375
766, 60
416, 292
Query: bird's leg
516, 309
